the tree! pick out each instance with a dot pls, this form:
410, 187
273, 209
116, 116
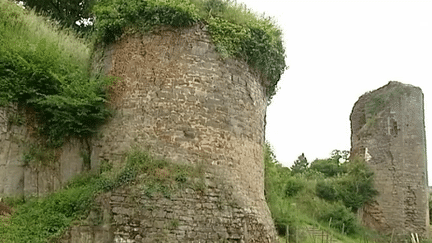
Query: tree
329, 167
300, 165
67, 12
357, 188
339, 155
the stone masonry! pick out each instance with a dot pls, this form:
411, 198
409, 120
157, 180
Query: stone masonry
189, 215
179, 99
388, 131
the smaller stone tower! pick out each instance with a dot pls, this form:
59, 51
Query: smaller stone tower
388, 131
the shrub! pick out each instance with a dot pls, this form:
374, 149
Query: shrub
326, 189
300, 165
356, 187
114, 16
329, 167
293, 186
340, 218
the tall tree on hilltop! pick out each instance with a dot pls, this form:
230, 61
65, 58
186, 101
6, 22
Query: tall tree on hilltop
300, 165
67, 12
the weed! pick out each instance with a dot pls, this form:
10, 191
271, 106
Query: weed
173, 224
85, 156
39, 154
379, 101
105, 166
16, 119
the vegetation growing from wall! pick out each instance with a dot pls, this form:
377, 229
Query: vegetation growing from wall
47, 69
378, 101
42, 219
325, 195
236, 31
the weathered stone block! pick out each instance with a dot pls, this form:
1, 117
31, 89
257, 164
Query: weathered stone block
14, 180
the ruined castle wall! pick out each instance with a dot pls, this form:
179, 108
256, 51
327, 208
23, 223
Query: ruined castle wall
188, 215
179, 99
388, 131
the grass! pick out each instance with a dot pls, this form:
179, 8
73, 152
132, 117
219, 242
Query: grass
378, 101
46, 218
31, 36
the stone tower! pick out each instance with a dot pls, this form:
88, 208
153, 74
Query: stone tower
388, 131
179, 99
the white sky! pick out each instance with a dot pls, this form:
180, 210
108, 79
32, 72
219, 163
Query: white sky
337, 51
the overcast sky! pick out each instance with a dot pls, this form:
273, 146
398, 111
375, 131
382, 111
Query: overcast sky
337, 51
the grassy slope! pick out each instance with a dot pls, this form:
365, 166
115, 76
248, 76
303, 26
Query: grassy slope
293, 202
47, 69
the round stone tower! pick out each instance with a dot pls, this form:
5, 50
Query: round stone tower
388, 131
178, 98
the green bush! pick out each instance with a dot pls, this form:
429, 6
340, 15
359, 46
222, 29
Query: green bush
40, 219
340, 218
329, 167
430, 208
47, 69
114, 16
356, 187
326, 189
293, 186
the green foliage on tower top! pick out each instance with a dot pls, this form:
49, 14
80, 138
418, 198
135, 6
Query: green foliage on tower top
236, 31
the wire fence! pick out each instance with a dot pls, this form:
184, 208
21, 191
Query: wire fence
309, 234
